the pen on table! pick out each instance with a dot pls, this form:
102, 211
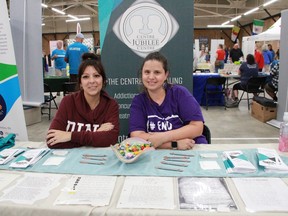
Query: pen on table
176, 157
92, 158
91, 155
174, 164
95, 163
19, 153
178, 160
169, 169
182, 154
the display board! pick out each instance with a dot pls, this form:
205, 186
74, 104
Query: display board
129, 31
11, 109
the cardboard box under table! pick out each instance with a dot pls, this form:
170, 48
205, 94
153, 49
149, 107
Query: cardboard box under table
263, 111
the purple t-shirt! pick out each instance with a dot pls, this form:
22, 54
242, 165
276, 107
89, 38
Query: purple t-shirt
178, 109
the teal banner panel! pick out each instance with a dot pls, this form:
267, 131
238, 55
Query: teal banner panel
130, 30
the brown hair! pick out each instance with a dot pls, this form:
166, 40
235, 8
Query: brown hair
90, 59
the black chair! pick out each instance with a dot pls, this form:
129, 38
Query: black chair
207, 133
48, 99
69, 87
254, 85
215, 86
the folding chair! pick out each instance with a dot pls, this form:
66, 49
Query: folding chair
254, 85
214, 87
69, 87
48, 99
207, 133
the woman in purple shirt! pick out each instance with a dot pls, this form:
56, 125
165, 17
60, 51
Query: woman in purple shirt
166, 115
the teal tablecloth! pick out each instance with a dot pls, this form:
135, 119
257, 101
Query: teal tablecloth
145, 166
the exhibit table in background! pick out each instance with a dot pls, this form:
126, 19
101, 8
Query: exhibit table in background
56, 82
204, 67
199, 82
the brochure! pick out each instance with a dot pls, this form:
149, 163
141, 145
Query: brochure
29, 158
271, 161
237, 162
8, 154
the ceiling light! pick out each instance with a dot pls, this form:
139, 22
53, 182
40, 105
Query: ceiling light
71, 16
44, 5
268, 3
43, 24
225, 23
58, 11
236, 18
220, 26
251, 11
80, 19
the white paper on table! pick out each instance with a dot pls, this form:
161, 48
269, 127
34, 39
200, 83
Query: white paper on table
60, 152
206, 194
6, 179
263, 194
209, 165
89, 190
209, 155
31, 187
53, 161
147, 192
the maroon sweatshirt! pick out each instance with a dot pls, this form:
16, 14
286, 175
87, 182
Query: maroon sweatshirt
74, 114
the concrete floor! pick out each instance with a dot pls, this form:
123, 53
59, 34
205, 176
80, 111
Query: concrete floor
233, 125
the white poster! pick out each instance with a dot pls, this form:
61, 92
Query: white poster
11, 108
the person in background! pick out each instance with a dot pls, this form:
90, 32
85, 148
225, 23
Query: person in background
220, 56
73, 56
271, 51
267, 57
235, 53
98, 52
89, 117
44, 62
58, 57
202, 57
166, 115
247, 70
207, 55
259, 57
272, 86
227, 52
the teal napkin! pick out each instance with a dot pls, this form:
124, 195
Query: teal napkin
7, 142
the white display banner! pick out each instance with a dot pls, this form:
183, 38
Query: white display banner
11, 109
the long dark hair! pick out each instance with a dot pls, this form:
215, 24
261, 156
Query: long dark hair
90, 59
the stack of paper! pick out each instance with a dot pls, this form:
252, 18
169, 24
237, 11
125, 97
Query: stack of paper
208, 194
29, 158
8, 154
237, 162
263, 194
271, 161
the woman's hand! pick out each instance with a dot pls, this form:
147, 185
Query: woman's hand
57, 136
106, 127
185, 144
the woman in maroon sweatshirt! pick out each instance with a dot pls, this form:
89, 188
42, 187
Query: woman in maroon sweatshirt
88, 117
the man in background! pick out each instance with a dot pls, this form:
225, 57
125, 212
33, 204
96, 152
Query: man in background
58, 56
236, 53
73, 56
